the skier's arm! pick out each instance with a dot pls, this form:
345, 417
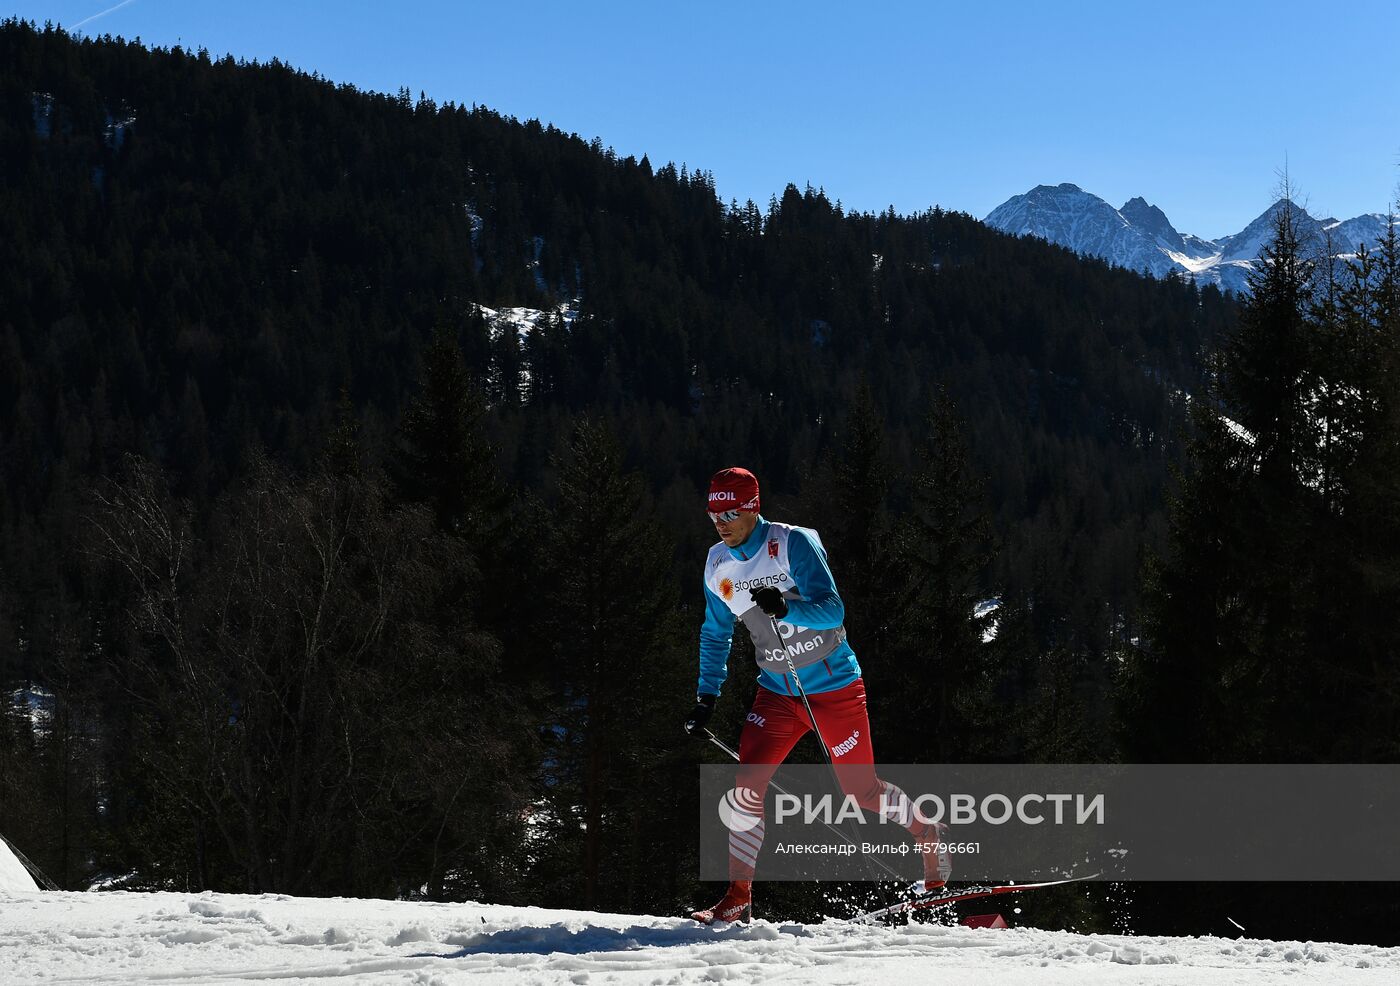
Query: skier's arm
820, 607
715, 635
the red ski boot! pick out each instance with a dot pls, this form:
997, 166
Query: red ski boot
735, 905
938, 861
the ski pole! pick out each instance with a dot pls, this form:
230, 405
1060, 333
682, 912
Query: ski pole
802, 694
784, 791
816, 730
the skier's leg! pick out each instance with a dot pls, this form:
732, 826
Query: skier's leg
846, 726
774, 725
845, 723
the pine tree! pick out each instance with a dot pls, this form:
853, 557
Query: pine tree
442, 457
1362, 588
943, 548
1265, 369
605, 599
846, 501
1227, 605
343, 455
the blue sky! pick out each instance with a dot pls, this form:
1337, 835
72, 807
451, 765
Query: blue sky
1195, 106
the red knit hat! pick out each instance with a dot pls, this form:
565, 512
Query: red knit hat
733, 489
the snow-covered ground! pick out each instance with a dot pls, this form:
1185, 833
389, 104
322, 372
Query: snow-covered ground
14, 878
228, 939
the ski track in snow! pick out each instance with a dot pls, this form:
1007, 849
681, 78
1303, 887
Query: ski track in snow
225, 939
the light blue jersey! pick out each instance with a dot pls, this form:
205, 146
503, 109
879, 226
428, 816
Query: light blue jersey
813, 638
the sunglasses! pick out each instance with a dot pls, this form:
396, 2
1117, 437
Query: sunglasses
728, 516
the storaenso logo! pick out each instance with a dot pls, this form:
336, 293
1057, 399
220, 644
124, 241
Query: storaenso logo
761, 581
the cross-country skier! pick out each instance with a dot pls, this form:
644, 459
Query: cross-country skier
762, 570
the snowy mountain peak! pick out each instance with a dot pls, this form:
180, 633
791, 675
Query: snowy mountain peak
1153, 221
1249, 242
1072, 217
1348, 235
1139, 236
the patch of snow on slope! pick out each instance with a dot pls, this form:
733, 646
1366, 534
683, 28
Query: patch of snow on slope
526, 320
1194, 264
986, 609
36, 704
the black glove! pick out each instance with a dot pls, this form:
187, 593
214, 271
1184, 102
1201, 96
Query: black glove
704, 708
770, 599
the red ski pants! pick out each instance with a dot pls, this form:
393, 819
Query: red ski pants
775, 724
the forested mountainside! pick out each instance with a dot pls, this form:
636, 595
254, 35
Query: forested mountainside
202, 255
247, 314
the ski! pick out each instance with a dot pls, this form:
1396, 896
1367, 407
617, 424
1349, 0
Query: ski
937, 899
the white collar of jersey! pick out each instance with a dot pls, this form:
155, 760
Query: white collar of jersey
750, 546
